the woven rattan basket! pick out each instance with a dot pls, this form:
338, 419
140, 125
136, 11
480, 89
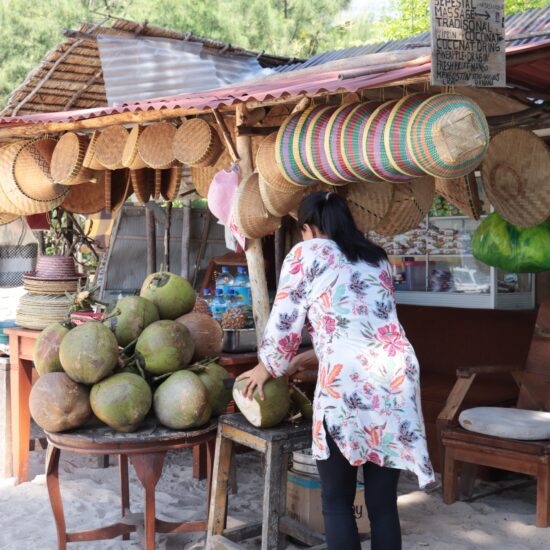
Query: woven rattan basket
67, 158
143, 184
117, 189
249, 212
515, 175
267, 167
109, 147
280, 203
368, 202
410, 204
86, 198
170, 183
157, 185
197, 143
130, 156
462, 193
155, 145
90, 160
54, 288
12, 198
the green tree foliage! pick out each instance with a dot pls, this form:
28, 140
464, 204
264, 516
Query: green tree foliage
410, 17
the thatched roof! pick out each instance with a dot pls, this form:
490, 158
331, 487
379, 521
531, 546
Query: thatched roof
70, 75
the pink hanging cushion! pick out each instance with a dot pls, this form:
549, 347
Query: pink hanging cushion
221, 193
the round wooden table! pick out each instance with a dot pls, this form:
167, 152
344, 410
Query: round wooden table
146, 450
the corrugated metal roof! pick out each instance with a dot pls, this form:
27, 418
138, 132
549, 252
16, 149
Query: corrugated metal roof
535, 20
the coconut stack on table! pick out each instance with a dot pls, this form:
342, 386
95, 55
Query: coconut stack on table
153, 355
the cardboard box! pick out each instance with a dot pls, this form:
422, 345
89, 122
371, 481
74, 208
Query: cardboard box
303, 503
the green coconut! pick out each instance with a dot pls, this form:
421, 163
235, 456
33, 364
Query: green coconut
58, 403
172, 294
122, 401
206, 333
301, 402
136, 313
46, 348
89, 352
164, 346
268, 412
181, 401
212, 376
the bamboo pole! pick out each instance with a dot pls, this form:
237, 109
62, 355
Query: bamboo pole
253, 249
185, 238
151, 234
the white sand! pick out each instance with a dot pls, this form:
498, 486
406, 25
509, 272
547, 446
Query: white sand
91, 499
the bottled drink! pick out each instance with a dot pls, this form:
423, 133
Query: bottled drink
218, 305
233, 298
207, 296
242, 285
224, 280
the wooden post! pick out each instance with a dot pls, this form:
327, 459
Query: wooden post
151, 234
167, 224
185, 238
254, 252
279, 250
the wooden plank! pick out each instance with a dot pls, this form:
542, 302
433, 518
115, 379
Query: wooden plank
243, 532
244, 438
300, 532
271, 511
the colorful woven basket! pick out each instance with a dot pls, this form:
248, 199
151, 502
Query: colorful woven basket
333, 143
317, 152
286, 153
352, 144
448, 136
395, 135
373, 148
268, 168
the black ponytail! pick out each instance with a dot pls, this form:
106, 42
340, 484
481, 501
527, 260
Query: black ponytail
331, 215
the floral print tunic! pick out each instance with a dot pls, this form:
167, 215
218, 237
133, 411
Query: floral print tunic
367, 391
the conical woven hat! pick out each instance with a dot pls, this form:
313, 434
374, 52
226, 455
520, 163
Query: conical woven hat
130, 156
90, 160
249, 212
462, 193
196, 143
410, 205
86, 198
109, 147
7, 218
515, 176
170, 183
12, 199
368, 202
280, 203
155, 145
268, 169
143, 184
67, 157
32, 170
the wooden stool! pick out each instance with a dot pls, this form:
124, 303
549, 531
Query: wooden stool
146, 450
275, 444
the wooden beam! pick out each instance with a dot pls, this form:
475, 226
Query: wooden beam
254, 252
76, 95
226, 135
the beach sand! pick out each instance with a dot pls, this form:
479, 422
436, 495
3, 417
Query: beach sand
503, 521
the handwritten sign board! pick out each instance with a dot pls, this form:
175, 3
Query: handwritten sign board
468, 47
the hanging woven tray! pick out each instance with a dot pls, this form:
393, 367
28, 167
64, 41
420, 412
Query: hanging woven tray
67, 158
462, 193
90, 160
143, 184
86, 198
155, 145
196, 143
130, 155
109, 147
171, 182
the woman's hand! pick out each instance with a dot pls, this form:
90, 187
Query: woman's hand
255, 378
303, 367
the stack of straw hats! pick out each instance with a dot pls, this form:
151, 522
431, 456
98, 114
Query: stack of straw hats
46, 300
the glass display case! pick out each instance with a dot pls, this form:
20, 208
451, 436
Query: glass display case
433, 265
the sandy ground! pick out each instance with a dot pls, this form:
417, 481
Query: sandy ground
504, 521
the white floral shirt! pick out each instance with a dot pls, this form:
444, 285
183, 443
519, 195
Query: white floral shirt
367, 391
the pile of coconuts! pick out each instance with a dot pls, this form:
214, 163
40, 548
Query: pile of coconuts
153, 354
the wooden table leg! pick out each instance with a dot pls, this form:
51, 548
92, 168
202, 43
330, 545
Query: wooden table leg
148, 468
124, 488
52, 482
210, 453
272, 497
20, 389
220, 482
282, 496
199, 461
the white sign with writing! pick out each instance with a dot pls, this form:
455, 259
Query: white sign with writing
468, 47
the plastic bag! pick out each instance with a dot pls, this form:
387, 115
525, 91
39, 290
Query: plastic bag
500, 244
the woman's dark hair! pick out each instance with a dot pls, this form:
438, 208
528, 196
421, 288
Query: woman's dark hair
331, 215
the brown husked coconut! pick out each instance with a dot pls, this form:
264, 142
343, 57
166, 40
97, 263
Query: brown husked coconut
206, 332
57, 403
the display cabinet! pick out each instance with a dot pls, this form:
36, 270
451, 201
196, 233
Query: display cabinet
433, 265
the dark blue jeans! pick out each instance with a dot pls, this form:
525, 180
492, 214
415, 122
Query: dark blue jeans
338, 484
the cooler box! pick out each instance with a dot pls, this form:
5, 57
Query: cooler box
303, 503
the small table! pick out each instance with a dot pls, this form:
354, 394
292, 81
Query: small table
275, 444
146, 450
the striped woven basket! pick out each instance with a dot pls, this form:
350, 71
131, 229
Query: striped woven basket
448, 136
